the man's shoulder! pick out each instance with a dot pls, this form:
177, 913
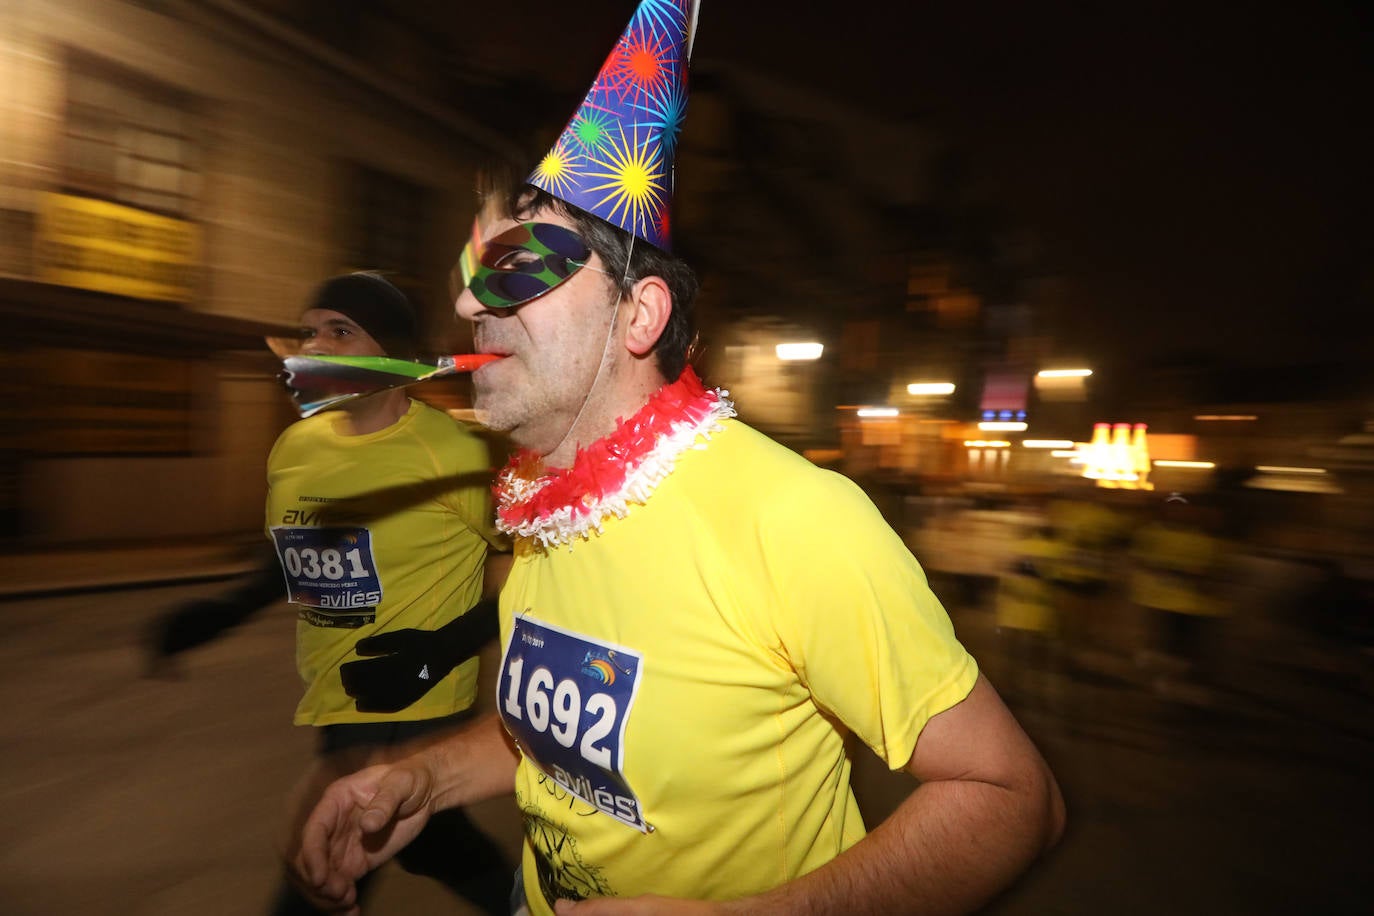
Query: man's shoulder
436, 423
743, 443
429, 415
314, 427
757, 468
454, 444
441, 422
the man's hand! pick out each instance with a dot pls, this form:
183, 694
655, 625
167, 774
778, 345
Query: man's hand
359, 822
404, 664
195, 623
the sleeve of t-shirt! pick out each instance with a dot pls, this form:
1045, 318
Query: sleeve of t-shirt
856, 618
470, 464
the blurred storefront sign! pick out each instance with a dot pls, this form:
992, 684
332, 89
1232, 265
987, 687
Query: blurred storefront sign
1004, 395
107, 247
1118, 456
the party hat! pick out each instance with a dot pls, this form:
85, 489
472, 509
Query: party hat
615, 157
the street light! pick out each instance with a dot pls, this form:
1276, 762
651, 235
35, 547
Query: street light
1068, 384
930, 388
794, 351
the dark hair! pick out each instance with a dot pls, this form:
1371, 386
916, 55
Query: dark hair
614, 244
376, 305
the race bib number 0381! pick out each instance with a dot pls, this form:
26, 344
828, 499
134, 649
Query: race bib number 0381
331, 569
566, 698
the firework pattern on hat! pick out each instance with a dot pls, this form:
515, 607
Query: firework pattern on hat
615, 157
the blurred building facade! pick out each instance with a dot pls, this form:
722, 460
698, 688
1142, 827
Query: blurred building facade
176, 177
178, 174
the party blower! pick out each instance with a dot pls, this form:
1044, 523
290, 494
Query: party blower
320, 382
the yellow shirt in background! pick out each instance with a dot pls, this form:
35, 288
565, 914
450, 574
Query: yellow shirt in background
1026, 595
378, 532
1175, 570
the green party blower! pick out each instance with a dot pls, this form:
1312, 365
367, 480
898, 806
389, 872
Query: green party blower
319, 382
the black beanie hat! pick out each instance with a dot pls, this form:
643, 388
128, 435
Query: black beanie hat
376, 306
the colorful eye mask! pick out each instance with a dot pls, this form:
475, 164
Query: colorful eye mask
522, 263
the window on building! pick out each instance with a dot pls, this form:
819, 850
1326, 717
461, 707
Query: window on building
129, 140
75, 410
390, 226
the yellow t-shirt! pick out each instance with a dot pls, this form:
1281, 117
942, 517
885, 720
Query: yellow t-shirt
1026, 597
1174, 567
375, 533
690, 674
1088, 530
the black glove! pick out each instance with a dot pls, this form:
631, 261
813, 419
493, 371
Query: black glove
409, 662
198, 622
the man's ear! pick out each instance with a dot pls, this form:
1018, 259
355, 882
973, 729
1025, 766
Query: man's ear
652, 304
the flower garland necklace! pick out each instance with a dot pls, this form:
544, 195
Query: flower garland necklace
613, 472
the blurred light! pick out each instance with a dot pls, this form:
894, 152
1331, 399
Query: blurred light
1226, 416
1046, 443
800, 350
986, 443
870, 413
1280, 469
1064, 453
1001, 426
1063, 373
930, 388
1185, 464
1306, 480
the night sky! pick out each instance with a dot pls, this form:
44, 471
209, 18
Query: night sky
1196, 174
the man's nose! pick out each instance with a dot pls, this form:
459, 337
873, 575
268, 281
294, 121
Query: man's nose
466, 306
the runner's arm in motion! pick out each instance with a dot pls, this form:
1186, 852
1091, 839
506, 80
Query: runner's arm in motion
987, 806
362, 820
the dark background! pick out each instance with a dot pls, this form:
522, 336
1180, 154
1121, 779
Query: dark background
1195, 175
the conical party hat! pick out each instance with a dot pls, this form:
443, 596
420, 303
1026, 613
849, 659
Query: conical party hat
615, 157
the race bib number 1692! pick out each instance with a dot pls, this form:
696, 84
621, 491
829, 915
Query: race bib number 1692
566, 698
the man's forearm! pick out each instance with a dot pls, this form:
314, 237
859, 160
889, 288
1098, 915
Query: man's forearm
471, 765
949, 848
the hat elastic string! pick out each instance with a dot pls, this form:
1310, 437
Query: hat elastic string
605, 350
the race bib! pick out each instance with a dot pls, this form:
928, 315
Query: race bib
566, 699
330, 572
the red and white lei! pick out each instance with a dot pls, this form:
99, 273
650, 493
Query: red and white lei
612, 473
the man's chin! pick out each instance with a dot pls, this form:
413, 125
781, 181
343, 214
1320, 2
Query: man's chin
493, 420
485, 417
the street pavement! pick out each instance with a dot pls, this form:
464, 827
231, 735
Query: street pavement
160, 796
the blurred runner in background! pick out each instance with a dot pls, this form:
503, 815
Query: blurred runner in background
380, 516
